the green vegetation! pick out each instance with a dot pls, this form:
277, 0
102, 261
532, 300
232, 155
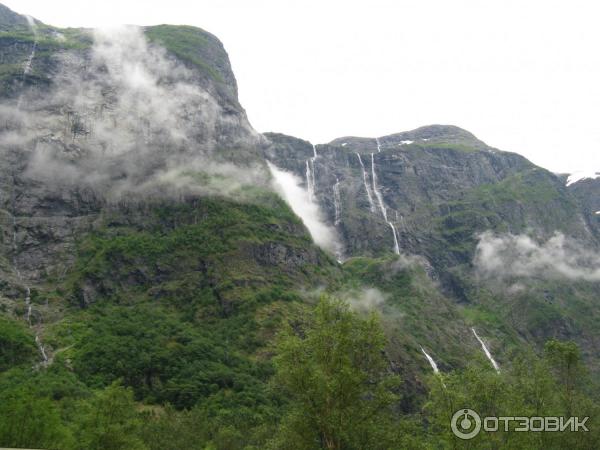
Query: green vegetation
334, 375
554, 385
191, 45
48, 38
330, 387
16, 344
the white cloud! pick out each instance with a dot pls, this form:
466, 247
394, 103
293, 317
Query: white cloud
366, 300
508, 255
127, 118
289, 187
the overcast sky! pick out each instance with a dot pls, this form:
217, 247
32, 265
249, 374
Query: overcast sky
523, 76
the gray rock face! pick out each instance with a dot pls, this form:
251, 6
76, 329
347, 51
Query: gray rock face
10, 20
90, 119
587, 193
441, 186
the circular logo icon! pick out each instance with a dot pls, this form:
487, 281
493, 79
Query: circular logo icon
466, 424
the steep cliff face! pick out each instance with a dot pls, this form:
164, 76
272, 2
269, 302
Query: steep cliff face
129, 173
10, 20
439, 187
503, 238
587, 192
130, 178
92, 117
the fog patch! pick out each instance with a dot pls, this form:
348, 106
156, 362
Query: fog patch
507, 256
408, 261
366, 300
289, 186
125, 118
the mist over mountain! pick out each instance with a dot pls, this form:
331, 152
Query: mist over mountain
155, 247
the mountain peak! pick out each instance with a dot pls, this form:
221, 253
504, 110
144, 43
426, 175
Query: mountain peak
426, 135
10, 20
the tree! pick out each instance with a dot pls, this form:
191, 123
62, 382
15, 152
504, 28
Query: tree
551, 386
565, 363
16, 344
110, 421
335, 375
28, 421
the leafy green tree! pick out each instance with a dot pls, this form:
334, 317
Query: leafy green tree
110, 421
552, 386
564, 360
16, 345
28, 421
335, 375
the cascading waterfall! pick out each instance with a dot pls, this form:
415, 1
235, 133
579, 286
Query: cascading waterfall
382, 206
486, 351
310, 174
431, 361
364, 173
27, 66
41, 349
378, 145
309, 184
28, 306
337, 202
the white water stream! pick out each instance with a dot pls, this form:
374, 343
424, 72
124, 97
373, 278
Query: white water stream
337, 202
365, 182
27, 66
310, 174
431, 361
378, 145
382, 206
486, 351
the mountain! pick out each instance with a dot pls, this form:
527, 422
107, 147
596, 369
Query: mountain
152, 240
456, 203
440, 186
587, 192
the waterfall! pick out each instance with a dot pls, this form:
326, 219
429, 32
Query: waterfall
396, 245
310, 174
486, 351
337, 202
382, 206
27, 66
28, 306
289, 186
309, 183
312, 162
431, 361
364, 173
378, 195
378, 145
41, 348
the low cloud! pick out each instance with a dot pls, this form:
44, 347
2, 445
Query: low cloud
289, 186
508, 255
125, 117
366, 300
